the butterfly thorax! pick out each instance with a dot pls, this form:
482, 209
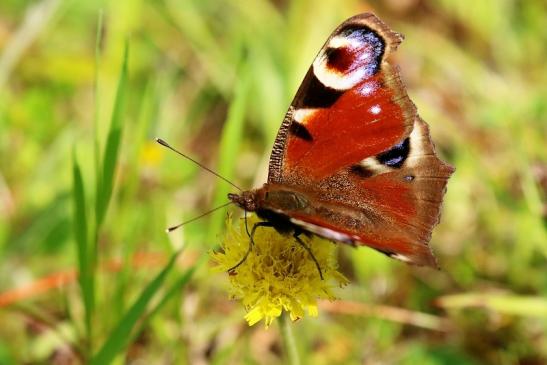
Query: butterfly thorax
271, 197
273, 203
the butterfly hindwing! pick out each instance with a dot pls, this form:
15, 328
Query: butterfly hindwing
391, 209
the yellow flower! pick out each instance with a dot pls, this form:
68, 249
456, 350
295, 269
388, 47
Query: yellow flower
279, 274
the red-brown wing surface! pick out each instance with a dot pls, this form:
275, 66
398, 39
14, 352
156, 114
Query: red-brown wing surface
351, 105
392, 209
353, 144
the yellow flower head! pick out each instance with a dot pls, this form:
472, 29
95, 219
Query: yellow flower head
279, 274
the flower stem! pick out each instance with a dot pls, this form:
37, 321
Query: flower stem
289, 342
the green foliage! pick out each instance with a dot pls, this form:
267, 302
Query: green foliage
85, 263
120, 335
105, 175
83, 187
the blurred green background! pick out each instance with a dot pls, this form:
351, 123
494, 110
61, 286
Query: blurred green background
84, 187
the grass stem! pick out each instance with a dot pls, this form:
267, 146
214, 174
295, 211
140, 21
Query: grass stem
289, 342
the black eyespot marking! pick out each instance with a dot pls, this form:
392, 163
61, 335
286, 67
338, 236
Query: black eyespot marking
315, 94
361, 171
409, 178
298, 130
396, 156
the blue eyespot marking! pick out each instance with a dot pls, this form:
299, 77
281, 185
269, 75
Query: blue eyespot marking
396, 156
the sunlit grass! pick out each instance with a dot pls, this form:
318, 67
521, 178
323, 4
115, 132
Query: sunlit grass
83, 187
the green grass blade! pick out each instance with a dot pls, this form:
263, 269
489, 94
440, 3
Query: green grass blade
519, 305
111, 152
120, 336
82, 249
175, 289
97, 110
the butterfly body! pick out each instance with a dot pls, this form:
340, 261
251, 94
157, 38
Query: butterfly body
353, 162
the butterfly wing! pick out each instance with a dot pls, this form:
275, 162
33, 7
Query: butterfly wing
353, 144
351, 104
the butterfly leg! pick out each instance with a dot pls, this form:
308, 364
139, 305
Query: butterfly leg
251, 242
296, 236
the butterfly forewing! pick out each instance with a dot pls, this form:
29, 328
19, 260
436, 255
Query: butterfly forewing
350, 105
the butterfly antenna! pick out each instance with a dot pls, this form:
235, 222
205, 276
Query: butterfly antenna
172, 228
165, 144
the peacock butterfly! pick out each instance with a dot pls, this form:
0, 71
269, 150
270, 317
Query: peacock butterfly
353, 162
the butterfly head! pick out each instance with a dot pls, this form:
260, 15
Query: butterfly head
247, 200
